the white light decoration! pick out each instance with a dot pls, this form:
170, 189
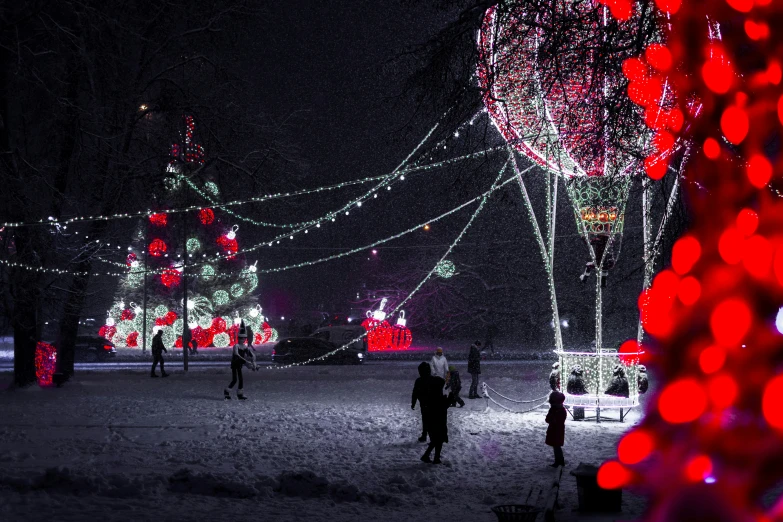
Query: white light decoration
237, 319
445, 269
221, 340
220, 297
191, 304
192, 323
254, 312
193, 245
237, 290
779, 320
208, 272
401, 321
178, 326
169, 337
253, 267
212, 188
161, 310
232, 234
136, 308
109, 321
379, 314
204, 321
155, 329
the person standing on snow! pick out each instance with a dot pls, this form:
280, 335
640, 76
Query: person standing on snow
474, 369
242, 355
435, 417
439, 364
555, 432
454, 383
420, 394
157, 354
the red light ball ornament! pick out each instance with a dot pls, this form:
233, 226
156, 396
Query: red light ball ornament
157, 248
401, 337
170, 277
206, 216
159, 220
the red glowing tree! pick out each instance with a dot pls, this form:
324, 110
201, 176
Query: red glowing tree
711, 443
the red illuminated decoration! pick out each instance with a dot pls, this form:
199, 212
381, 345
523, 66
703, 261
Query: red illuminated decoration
107, 332
206, 216
267, 332
401, 337
719, 411
629, 352
170, 277
187, 151
159, 220
157, 248
133, 340
379, 333
130, 259
45, 363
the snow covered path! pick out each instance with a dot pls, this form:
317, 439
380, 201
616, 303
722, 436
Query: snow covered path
312, 443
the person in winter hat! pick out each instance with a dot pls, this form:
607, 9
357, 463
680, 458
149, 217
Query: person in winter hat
435, 417
555, 433
618, 386
157, 354
454, 383
554, 377
474, 369
641, 379
420, 394
242, 355
439, 364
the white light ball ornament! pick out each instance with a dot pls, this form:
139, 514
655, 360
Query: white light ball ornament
778, 320
232, 234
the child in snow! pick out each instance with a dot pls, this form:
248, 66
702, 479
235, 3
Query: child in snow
241, 356
419, 393
455, 384
555, 433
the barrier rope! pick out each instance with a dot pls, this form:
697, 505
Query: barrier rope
485, 391
487, 387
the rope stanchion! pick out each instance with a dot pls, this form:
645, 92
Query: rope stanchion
485, 390
487, 387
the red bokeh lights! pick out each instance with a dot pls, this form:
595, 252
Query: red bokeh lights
682, 401
613, 475
635, 447
730, 322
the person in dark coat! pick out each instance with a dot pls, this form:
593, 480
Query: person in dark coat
618, 387
419, 394
157, 354
435, 417
555, 433
474, 369
576, 382
641, 379
455, 385
241, 356
554, 377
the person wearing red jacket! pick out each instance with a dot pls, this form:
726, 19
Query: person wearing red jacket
555, 433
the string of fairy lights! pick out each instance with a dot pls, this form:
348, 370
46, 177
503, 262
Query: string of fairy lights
254, 269
484, 197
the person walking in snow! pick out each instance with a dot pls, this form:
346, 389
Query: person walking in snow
555, 433
242, 355
474, 369
454, 383
439, 364
157, 354
435, 417
492, 331
420, 394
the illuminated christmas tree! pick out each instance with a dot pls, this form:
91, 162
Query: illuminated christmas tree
200, 244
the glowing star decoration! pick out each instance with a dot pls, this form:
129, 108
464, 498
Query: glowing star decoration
206, 216
401, 337
45, 363
159, 220
445, 269
157, 248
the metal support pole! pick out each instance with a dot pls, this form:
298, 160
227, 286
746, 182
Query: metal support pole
185, 327
144, 301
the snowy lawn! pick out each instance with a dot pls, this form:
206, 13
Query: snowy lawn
311, 443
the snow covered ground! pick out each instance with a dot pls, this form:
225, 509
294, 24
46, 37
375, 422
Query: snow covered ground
313, 443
